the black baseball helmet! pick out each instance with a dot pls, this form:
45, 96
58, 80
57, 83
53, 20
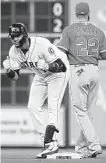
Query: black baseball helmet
16, 30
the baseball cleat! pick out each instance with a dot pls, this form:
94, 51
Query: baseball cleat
49, 148
89, 153
93, 154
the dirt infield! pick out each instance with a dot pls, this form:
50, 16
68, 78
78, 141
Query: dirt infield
28, 155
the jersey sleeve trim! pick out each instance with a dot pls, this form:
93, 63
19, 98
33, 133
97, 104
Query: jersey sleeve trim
33, 47
62, 48
53, 60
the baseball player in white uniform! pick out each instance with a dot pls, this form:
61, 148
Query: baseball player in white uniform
51, 69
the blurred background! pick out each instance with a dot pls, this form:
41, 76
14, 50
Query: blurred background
45, 18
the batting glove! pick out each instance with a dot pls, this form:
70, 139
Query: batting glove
6, 63
42, 65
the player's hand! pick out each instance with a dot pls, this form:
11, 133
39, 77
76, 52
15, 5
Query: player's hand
42, 65
6, 63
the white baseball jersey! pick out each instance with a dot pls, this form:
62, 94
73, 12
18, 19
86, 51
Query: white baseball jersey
40, 48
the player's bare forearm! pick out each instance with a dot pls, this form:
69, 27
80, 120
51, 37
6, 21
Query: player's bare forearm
13, 74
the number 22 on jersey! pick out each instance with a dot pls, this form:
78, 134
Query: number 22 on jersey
87, 47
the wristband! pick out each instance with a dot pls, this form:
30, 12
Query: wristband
10, 73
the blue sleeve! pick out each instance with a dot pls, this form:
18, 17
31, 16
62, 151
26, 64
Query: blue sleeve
103, 49
64, 40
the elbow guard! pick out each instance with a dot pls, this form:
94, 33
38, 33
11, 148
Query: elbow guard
57, 66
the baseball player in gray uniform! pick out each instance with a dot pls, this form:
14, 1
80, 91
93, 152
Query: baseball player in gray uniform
51, 69
84, 44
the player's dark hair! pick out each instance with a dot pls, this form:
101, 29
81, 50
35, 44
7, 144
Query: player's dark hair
84, 16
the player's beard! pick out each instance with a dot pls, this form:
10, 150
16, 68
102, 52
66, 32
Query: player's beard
20, 43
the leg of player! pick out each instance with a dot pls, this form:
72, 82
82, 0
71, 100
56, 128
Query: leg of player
82, 144
56, 87
38, 94
92, 99
80, 88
